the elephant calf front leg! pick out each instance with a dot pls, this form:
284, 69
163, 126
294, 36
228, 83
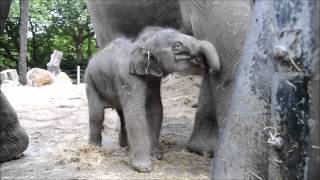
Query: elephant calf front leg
138, 136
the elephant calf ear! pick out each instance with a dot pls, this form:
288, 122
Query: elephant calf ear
142, 65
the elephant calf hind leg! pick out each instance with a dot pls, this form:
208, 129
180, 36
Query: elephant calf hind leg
95, 128
123, 140
96, 118
154, 112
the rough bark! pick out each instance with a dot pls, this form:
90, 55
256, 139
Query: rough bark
33, 29
22, 69
313, 164
269, 118
4, 12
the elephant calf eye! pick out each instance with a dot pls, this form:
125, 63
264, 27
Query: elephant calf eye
178, 47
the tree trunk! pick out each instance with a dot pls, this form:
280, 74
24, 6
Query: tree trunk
22, 69
33, 28
4, 12
89, 50
79, 43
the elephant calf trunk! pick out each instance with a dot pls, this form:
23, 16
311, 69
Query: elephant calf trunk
211, 55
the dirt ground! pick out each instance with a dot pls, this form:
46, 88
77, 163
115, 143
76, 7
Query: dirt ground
56, 119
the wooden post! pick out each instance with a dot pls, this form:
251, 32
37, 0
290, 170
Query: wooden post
78, 74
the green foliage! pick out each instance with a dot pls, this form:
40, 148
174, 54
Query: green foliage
63, 25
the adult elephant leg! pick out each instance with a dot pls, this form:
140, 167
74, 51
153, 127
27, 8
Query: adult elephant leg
154, 116
224, 24
123, 139
205, 132
14, 139
96, 117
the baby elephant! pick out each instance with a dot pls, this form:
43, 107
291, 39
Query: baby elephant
126, 75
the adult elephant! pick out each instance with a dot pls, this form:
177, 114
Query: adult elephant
223, 23
13, 138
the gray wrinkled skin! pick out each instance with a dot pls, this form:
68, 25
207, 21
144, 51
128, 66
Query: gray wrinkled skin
13, 138
121, 76
222, 22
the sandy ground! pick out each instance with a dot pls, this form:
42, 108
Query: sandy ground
56, 120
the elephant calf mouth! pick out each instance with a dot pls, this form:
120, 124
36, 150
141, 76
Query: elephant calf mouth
199, 61
194, 60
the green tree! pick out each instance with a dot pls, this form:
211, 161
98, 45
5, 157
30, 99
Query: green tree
63, 25
9, 39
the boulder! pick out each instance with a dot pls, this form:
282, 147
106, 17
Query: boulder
63, 78
37, 77
9, 75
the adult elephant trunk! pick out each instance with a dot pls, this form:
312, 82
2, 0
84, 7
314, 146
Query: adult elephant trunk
212, 57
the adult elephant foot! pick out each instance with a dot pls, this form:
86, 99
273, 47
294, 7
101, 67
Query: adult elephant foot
14, 144
14, 139
141, 163
204, 137
204, 145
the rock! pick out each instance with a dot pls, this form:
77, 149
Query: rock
37, 77
63, 78
9, 83
54, 65
9, 75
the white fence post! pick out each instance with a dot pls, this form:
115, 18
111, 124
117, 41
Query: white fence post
78, 74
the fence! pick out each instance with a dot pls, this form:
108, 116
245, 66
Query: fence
72, 73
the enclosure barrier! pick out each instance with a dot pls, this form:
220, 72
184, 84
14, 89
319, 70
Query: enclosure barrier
272, 128
76, 75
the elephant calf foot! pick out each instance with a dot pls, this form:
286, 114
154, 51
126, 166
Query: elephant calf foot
94, 142
141, 163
